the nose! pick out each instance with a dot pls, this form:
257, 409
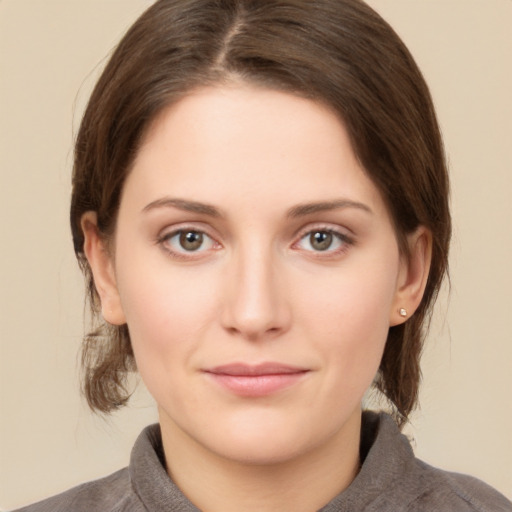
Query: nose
256, 305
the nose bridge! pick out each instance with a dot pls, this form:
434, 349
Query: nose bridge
255, 305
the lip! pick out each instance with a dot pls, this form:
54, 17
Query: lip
256, 380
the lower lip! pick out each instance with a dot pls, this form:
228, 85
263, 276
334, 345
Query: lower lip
257, 385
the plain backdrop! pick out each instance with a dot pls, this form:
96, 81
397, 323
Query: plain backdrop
51, 51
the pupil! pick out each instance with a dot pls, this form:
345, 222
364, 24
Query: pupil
321, 240
191, 240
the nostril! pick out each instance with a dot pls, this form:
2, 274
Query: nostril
254, 334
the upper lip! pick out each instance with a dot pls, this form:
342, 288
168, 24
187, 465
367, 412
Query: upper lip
253, 370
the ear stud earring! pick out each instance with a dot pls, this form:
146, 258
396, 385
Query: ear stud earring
403, 312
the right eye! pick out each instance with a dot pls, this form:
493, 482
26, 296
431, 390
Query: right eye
186, 241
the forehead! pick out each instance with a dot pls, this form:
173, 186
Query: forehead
249, 142
245, 109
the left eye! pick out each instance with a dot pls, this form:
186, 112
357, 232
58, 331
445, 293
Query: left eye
322, 241
188, 241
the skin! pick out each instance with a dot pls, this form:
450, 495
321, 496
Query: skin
241, 166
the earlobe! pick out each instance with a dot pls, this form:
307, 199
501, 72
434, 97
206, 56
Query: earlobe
413, 276
102, 269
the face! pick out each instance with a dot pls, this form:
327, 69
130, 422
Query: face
258, 271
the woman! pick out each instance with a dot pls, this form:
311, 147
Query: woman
260, 206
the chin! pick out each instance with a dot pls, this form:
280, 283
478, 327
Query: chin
270, 440
260, 451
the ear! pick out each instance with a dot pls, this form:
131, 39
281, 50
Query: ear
102, 267
412, 276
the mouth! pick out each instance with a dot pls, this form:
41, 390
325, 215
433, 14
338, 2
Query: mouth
256, 380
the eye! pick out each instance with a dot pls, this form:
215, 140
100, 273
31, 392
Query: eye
324, 240
187, 241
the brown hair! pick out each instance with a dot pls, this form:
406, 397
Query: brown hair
339, 52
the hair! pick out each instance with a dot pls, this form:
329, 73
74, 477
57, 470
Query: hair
338, 52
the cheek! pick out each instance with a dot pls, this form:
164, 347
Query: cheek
349, 317
167, 312
165, 327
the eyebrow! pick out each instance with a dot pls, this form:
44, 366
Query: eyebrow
297, 211
323, 206
182, 204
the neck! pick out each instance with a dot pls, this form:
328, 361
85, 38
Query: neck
302, 483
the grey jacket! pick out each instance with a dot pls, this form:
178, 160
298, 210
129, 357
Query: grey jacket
391, 479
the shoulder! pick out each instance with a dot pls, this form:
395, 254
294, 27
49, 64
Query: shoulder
110, 494
143, 485
392, 479
443, 490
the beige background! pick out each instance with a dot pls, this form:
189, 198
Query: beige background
50, 54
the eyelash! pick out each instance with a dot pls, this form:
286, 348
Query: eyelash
183, 254
343, 240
